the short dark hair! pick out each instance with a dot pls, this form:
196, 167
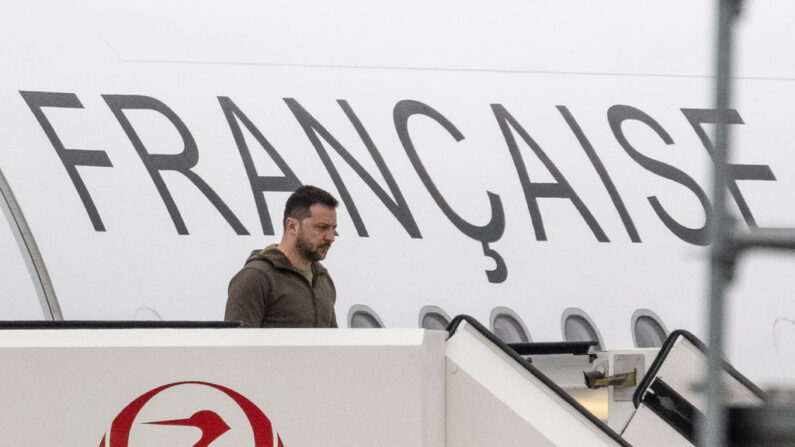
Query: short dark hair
299, 202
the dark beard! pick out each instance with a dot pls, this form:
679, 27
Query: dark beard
304, 250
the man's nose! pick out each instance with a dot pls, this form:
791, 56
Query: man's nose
330, 235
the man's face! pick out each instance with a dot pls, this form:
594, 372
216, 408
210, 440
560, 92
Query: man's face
316, 232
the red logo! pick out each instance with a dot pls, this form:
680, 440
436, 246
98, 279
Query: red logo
211, 424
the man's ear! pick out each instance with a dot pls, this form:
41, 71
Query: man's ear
291, 225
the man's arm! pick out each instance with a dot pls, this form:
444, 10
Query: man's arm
249, 293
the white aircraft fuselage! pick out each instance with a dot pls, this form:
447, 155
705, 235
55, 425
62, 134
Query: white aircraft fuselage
534, 156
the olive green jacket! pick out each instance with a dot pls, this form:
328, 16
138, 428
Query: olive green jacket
270, 292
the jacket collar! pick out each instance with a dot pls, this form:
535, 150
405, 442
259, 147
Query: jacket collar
275, 257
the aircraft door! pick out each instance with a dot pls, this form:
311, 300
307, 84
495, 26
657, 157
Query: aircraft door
22, 295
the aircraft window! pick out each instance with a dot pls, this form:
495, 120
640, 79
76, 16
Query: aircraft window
507, 326
361, 316
20, 300
577, 326
434, 318
647, 329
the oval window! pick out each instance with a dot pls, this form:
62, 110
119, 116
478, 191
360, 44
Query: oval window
361, 316
647, 329
434, 318
577, 326
508, 327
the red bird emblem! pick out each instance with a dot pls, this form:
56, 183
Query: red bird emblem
211, 425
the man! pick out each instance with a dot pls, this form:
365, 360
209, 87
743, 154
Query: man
284, 285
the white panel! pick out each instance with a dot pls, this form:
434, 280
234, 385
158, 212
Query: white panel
683, 370
476, 417
493, 400
318, 387
620, 411
646, 429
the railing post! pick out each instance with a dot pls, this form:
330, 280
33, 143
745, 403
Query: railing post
723, 251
